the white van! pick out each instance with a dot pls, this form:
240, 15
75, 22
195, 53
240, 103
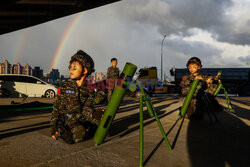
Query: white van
14, 85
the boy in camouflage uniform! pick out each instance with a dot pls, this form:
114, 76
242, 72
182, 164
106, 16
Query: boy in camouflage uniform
73, 115
195, 109
112, 76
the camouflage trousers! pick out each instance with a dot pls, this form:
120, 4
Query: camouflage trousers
78, 132
75, 127
195, 109
88, 114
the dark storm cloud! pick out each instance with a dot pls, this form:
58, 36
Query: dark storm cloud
193, 48
203, 14
235, 38
174, 17
189, 49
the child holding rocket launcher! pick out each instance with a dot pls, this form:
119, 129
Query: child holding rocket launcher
206, 84
74, 117
195, 109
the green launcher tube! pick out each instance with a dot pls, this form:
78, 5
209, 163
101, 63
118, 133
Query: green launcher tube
114, 103
188, 98
146, 99
141, 134
160, 126
217, 90
150, 109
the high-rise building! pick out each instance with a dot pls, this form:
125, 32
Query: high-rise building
17, 69
27, 70
1, 68
5, 67
54, 75
37, 72
14, 69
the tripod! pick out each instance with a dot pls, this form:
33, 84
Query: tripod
229, 104
145, 100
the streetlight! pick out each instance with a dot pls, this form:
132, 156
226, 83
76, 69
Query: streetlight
161, 54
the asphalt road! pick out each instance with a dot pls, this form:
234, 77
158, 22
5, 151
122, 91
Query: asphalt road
25, 139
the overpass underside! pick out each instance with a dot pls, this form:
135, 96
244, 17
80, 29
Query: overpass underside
19, 14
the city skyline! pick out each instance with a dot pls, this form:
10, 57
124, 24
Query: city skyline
7, 68
17, 68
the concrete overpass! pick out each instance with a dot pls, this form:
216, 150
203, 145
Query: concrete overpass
19, 14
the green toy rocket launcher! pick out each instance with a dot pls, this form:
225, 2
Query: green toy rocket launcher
219, 87
217, 90
188, 98
113, 105
146, 99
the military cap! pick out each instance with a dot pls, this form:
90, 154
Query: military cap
85, 60
194, 60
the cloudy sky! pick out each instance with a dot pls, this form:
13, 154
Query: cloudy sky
216, 31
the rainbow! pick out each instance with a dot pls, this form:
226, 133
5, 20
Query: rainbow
19, 45
64, 38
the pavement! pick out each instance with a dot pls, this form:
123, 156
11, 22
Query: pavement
25, 137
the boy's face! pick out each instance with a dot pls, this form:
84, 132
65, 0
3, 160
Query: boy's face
193, 68
114, 63
75, 70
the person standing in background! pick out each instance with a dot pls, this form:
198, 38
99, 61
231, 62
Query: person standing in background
112, 76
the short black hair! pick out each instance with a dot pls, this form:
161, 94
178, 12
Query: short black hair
113, 59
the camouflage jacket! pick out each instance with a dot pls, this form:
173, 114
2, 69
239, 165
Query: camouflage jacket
186, 83
113, 73
74, 104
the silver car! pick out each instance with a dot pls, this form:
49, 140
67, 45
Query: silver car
14, 85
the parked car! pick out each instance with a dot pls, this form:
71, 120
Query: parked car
14, 85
